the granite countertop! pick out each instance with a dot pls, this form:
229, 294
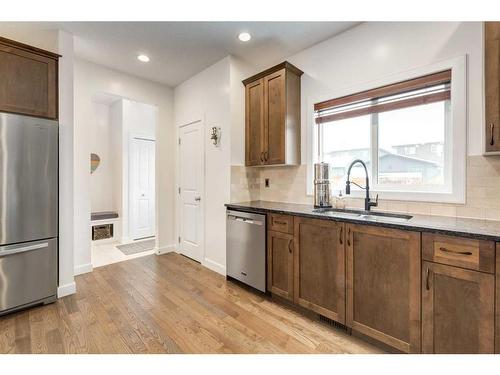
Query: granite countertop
472, 228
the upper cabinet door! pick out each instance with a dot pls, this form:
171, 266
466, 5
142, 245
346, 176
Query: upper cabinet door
254, 123
492, 86
274, 117
28, 81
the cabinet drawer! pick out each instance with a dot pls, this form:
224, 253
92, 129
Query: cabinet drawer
458, 251
280, 223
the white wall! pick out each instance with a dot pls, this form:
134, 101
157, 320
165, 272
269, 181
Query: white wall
102, 183
239, 71
206, 96
91, 79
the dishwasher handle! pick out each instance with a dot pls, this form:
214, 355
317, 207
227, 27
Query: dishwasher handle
244, 220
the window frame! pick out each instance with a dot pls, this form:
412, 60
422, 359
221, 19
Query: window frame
455, 134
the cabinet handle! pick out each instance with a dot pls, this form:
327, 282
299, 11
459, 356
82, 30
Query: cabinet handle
290, 246
266, 155
455, 251
492, 138
262, 157
427, 279
349, 237
279, 222
340, 236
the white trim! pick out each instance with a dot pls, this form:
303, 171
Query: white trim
66, 290
83, 268
166, 249
458, 66
214, 266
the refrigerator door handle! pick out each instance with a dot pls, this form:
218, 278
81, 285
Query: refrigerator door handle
23, 249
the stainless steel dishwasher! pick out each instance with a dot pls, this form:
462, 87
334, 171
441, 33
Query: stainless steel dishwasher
246, 248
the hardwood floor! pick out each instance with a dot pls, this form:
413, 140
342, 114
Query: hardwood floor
167, 304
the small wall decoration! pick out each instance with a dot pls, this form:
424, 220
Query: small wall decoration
95, 160
215, 136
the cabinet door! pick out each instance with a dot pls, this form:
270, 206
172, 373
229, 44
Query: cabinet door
457, 310
28, 83
280, 264
492, 85
319, 267
254, 123
274, 117
383, 285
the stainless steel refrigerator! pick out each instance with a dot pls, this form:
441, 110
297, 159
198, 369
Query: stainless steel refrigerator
28, 211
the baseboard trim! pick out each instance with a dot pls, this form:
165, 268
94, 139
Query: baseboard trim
165, 249
66, 290
214, 266
83, 268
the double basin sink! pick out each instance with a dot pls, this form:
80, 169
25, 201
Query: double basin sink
364, 215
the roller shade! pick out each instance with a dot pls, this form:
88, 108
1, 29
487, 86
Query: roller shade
423, 90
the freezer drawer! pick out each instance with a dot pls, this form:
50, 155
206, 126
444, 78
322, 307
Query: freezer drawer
246, 248
28, 273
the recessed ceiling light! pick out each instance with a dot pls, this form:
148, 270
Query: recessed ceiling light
143, 58
244, 37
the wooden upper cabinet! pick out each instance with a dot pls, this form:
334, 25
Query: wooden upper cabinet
383, 285
28, 80
458, 310
272, 116
492, 86
319, 267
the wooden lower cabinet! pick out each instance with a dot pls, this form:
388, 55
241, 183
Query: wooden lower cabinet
458, 310
383, 285
280, 264
319, 267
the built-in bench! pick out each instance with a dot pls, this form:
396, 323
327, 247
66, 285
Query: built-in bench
104, 225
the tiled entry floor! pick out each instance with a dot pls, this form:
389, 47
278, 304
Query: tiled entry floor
107, 253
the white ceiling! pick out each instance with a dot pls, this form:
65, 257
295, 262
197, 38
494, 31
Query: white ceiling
178, 50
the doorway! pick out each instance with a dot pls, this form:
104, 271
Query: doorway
191, 190
122, 179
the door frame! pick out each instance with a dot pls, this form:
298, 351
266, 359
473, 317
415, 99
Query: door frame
178, 203
147, 137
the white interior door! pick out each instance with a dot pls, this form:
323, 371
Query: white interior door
191, 163
142, 188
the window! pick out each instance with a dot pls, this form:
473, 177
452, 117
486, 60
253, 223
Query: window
402, 131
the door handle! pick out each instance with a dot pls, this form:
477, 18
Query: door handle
492, 138
197, 199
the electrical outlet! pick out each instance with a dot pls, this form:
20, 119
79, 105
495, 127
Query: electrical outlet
266, 182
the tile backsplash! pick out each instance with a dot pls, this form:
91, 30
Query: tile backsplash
288, 184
